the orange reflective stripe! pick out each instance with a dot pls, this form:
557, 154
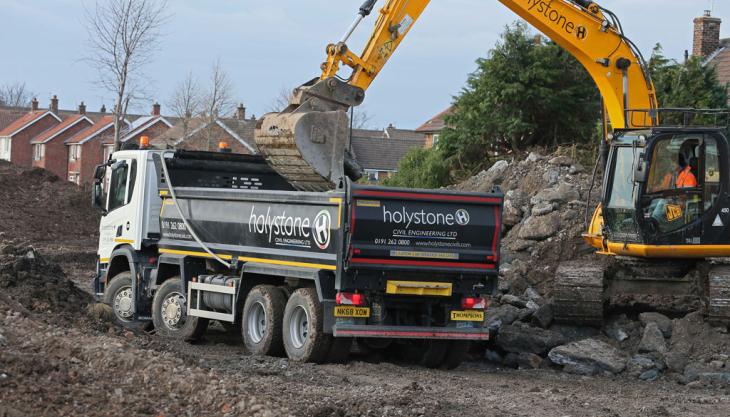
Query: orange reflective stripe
686, 179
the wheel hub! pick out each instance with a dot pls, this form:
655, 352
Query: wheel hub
299, 327
173, 310
257, 323
123, 305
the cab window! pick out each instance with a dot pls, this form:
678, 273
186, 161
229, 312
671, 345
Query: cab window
121, 187
712, 173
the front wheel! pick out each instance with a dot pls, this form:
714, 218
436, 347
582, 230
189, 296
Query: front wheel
119, 296
169, 313
304, 337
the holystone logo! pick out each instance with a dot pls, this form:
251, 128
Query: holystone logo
462, 217
321, 229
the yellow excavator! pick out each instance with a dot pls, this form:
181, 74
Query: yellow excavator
661, 236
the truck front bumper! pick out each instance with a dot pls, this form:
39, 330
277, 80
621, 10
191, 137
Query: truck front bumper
410, 332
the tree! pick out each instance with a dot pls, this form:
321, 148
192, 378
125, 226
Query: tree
186, 101
687, 85
280, 101
123, 36
217, 99
361, 119
527, 92
15, 95
421, 168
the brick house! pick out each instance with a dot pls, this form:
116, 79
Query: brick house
708, 45
433, 127
151, 126
15, 138
237, 132
86, 150
379, 152
49, 148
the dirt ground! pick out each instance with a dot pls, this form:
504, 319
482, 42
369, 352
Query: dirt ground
84, 366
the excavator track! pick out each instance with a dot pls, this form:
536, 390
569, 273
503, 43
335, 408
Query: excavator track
718, 300
578, 293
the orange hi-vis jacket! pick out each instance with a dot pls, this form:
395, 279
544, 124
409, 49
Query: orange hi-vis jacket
686, 179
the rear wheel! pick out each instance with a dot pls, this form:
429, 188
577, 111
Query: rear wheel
119, 296
263, 315
304, 337
169, 313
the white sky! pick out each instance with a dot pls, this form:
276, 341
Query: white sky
268, 45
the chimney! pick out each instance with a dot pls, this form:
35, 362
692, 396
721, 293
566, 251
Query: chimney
82, 108
241, 112
34, 104
54, 105
706, 35
156, 109
102, 109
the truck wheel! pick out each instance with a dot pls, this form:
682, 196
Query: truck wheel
304, 338
263, 314
169, 313
118, 296
457, 353
434, 353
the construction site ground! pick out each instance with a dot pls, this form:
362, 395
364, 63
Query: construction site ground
61, 356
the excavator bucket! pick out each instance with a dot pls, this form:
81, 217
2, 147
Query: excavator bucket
306, 148
308, 143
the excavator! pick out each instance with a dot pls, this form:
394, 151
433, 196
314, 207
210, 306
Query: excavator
662, 242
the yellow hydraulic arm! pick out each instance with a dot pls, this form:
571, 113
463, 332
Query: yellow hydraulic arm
593, 35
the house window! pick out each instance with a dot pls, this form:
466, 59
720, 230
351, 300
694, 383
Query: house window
5, 148
74, 152
39, 152
73, 177
372, 175
435, 140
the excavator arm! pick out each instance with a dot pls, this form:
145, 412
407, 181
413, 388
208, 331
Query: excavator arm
308, 141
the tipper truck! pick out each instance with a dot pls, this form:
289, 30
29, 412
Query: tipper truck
189, 237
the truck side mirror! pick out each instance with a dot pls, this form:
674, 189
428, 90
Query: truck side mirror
641, 171
97, 192
100, 171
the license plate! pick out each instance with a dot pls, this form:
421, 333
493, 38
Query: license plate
467, 315
348, 311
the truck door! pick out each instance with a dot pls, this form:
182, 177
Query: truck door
714, 177
119, 223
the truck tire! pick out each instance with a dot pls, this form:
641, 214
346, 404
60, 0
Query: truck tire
304, 337
169, 313
434, 353
339, 350
263, 316
458, 350
119, 296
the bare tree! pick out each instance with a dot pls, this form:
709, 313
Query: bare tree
15, 95
186, 101
280, 101
361, 119
217, 99
123, 36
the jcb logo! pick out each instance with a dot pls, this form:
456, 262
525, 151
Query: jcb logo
321, 229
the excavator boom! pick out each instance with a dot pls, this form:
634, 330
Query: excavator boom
308, 142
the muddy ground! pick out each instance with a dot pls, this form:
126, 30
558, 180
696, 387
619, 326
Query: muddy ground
53, 364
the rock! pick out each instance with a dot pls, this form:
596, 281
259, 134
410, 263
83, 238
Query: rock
512, 212
561, 194
531, 305
540, 227
653, 339
576, 169
511, 360
532, 295
525, 315
534, 157
498, 168
100, 311
717, 365
505, 314
664, 322
589, 356
575, 333
529, 361
513, 300
3, 340
492, 356
542, 209
684, 332
519, 245
694, 370
552, 175
561, 161
615, 331
676, 361
518, 338
543, 317
650, 375
639, 364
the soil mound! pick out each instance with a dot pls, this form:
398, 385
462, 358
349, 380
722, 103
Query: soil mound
40, 207
37, 285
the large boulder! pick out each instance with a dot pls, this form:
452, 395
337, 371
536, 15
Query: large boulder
561, 194
664, 322
652, 340
589, 357
540, 227
502, 315
519, 338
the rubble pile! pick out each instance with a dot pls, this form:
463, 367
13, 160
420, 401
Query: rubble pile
40, 207
544, 214
28, 282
